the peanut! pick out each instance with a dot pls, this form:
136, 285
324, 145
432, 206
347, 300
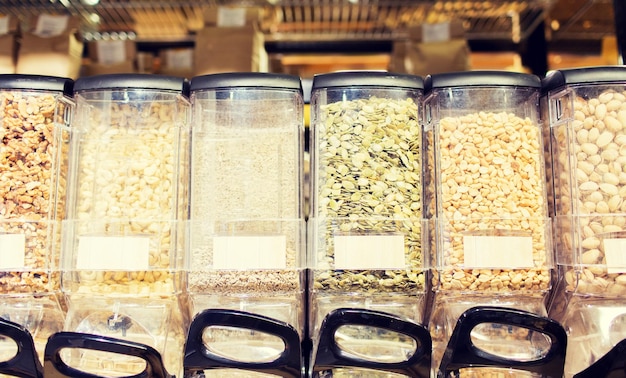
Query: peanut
491, 179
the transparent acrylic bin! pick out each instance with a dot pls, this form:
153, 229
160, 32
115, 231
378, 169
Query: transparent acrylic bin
366, 231
587, 119
136, 258
485, 147
253, 265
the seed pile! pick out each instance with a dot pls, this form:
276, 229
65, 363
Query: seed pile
369, 182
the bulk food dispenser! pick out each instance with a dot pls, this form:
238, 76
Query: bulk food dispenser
366, 232
587, 116
246, 241
123, 247
35, 112
492, 240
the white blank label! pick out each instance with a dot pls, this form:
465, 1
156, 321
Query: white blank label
249, 252
113, 253
369, 252
49, 25
227, 16
438, 32
506, 252
12, 251
615, 255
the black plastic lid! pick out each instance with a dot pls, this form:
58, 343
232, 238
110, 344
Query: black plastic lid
481, 79
360, 79
37, 82
132, 81
245, 80
586, 75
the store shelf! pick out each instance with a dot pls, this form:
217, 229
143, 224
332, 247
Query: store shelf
529, 27
299, 20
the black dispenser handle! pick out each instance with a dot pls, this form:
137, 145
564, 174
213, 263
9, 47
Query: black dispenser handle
25, 363
55, 367
288, 364
462, 353
611, 365
329, 355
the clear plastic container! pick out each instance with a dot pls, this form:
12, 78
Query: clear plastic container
366, 228
488, 199
128, 186
588, 125
123, 245
35, 115
587, 118
246, 241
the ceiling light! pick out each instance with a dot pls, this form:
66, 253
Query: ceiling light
90, 3
94, 18
555, 25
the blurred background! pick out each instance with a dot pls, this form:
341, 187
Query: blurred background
188, 38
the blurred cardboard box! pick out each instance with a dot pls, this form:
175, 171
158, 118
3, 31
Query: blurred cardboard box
229, 49
431, 49
51, 47
112, 52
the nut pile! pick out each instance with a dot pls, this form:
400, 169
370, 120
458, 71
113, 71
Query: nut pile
33, 151
127, 181
246, 181
597, 178
491, 179
369, 182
